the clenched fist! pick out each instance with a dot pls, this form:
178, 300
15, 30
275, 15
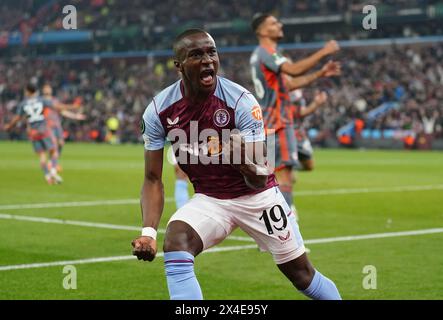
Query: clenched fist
144, 248
331, 47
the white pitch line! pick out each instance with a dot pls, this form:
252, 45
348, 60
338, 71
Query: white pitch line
376, 236
70, 204
230, 248
91, 224
168, 200
109, 259
72, 222
367, 190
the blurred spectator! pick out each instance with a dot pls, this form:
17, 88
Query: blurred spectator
151, 24
112, 126
410, 75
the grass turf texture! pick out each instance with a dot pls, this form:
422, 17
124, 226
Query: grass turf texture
408, 267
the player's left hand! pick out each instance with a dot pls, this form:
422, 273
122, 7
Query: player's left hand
331, 68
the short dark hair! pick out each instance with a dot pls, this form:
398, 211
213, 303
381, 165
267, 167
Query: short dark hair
183, 35
31, 88
258, 19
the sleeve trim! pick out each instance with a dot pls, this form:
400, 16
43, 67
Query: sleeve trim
238, 100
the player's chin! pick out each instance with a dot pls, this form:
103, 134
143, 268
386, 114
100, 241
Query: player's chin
207, 86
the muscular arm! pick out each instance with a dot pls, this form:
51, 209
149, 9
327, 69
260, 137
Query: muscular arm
252, 166
151, 202
331, 68
301, 66
303, 81
152, 194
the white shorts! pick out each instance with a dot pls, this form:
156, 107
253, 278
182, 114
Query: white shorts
265, 216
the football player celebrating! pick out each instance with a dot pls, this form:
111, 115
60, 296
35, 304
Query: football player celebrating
54, 120
228, 193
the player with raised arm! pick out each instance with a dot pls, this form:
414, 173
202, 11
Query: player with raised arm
204, 107
268, 66
54, 120
33, 109
301, 110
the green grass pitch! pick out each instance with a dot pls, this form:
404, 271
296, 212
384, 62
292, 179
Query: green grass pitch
350, 193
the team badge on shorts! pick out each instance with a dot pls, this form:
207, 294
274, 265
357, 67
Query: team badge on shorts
285, 238
221, 118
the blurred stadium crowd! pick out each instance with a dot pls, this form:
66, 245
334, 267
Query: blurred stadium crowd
152, 24
122, 88
114, 92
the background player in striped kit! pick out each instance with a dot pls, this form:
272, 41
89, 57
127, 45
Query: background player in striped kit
54, 120
267, 68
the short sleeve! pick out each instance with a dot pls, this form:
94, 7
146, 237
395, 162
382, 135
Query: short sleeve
152, 129
249, 119
272, 61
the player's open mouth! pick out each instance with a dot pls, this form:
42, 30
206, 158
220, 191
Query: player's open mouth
207, 77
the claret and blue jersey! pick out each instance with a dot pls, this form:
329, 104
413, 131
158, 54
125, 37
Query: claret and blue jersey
229, 107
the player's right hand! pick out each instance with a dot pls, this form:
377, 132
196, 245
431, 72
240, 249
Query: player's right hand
331, 47
320, 98
144, 248
331, 69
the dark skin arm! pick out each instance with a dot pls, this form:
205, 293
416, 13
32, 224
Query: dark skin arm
151, 202
249, 159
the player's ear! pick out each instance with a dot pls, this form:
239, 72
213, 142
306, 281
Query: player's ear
259, 32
